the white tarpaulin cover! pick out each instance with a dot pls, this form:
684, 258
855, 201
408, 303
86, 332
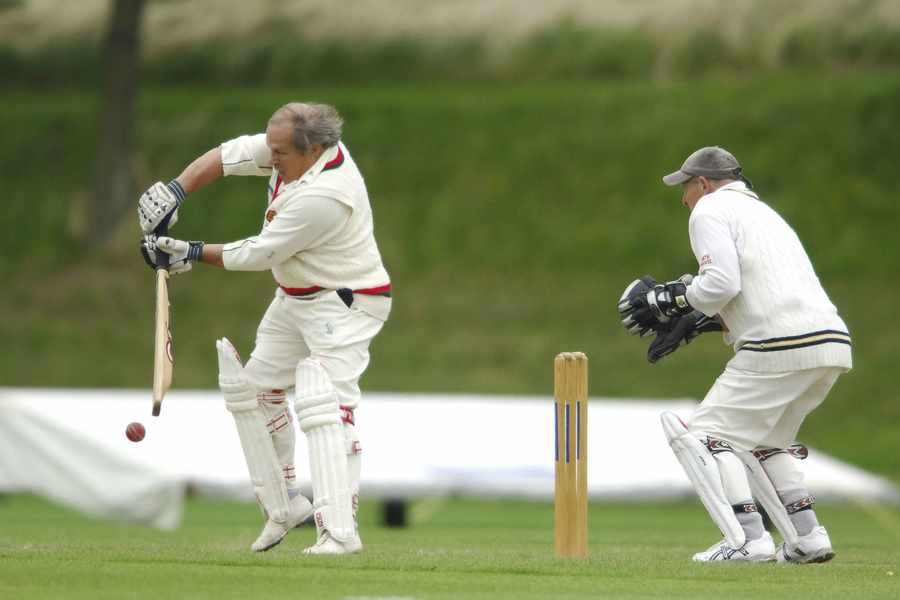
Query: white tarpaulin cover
70, 446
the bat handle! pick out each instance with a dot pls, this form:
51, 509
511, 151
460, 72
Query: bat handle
162, 258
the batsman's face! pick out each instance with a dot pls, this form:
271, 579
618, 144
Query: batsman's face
286, 158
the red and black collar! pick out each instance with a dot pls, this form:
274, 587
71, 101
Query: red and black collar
335, 162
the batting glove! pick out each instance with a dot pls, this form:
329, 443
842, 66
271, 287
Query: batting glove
159, 205
182, 254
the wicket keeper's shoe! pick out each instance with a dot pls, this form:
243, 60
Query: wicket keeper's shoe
762, 549
814, 547
273, 531
328, 545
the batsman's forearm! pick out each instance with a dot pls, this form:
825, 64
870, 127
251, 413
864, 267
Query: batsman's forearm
202, 171
212, 255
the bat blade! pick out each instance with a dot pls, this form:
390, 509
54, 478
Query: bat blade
163, 357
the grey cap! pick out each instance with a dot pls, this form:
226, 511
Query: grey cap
712, 162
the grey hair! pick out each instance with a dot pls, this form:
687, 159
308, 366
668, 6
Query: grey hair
312, 124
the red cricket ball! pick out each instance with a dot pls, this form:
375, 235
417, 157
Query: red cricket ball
135, 432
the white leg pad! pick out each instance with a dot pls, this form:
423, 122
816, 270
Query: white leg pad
319, 416
701, 469
733, 475
262, 462
280, 425
764, 492
354, 465
784, 471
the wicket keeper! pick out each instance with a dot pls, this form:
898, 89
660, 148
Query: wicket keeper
757, 284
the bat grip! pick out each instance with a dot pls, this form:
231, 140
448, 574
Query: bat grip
162, 258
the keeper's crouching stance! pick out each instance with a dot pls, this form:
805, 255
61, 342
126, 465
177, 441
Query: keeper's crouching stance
727, 476
757, 284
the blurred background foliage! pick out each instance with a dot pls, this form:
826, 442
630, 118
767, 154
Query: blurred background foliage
276, 43
513, 157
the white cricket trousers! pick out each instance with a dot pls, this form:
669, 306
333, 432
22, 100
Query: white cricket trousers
751, 409
322, 327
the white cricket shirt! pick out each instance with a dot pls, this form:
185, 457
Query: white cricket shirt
755, 274
317, 231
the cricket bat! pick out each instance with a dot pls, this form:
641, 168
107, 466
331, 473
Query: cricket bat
163, 357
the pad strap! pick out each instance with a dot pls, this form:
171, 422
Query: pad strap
801, 504
797, 450
715, 446
746, 507
764, 454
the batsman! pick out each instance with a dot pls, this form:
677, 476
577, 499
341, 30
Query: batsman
757, 284
332, 298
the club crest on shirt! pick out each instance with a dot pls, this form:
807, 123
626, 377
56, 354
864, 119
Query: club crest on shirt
270, 214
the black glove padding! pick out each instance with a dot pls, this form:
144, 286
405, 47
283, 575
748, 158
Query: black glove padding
678, 331
669, 300
634, 312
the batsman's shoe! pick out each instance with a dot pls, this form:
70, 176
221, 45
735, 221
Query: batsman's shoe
762, 549
274, 531
328, 545
814, 547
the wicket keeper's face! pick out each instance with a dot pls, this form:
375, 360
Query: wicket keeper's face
692, 190
286, 158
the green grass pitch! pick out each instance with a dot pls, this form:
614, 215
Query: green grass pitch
452, 549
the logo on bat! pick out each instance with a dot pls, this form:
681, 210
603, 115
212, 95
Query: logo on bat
170, 351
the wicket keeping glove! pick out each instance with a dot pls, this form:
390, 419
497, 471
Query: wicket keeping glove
664, 301
159, 205
634, 313
182, 254
668, 300
680, 331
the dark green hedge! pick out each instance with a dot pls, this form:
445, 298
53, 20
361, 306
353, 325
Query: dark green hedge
510, 217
